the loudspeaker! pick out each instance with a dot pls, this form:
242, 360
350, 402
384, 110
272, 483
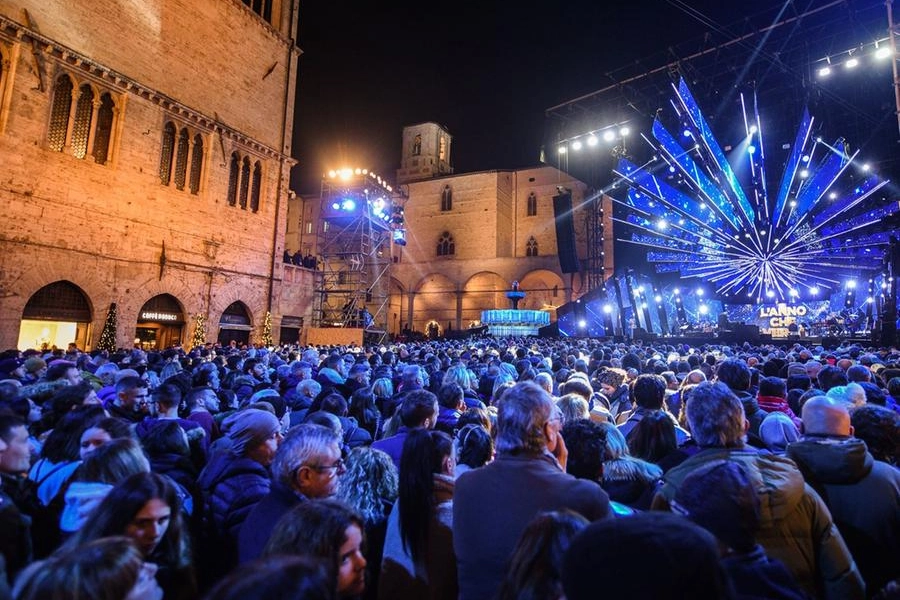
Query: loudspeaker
565, 232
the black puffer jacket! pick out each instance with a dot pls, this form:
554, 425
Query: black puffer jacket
231, 487
863, 495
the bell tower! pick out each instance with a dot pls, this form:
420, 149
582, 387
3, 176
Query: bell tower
425, 153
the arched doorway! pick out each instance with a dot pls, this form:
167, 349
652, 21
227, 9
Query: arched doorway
235, 325
56, 315
160, 323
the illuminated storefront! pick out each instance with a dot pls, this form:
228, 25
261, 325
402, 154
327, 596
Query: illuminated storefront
160, 323
55, 316
235, 325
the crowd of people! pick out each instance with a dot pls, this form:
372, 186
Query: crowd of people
518, 468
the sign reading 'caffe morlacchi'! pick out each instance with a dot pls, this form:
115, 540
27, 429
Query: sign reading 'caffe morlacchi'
158, 316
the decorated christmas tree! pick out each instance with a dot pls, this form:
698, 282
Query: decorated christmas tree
108, 335
266, 337
199, 337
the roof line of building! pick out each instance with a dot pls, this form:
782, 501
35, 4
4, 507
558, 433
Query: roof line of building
127, 84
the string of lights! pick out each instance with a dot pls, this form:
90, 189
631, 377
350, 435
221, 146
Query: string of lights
874, 53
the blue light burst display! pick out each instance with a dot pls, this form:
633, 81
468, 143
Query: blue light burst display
712, 217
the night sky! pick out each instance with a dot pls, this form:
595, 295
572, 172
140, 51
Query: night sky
488, 71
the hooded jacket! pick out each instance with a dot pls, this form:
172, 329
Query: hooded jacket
631, 481
795, 525
863, 495
752, 411
82, 498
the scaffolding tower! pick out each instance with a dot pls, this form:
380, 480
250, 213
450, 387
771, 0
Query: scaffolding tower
357, 226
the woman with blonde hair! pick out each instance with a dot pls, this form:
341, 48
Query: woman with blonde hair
573, 407
369, 486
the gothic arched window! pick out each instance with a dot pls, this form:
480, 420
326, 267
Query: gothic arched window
531, 248
446, 199
165, 156
446, 246
84, 114
257, 182
245, 182
234, 171
532, 205
196, 163
59, 113
181, 160
103, 133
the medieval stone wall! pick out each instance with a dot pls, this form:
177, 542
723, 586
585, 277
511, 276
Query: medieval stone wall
211, 67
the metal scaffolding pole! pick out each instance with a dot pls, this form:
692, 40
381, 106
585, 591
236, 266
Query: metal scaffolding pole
355, 253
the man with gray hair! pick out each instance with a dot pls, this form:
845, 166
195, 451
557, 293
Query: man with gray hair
306, 392
493, 504
307, 465
545, 380
795, 525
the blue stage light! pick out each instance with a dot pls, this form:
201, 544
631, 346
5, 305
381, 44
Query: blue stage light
816, 234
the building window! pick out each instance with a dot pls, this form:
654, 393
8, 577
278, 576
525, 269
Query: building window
86, 129
196, 163
446, 245
261, 7
417, 145
103, 133
531, 248
181, 161
184, 156
59, 113
234, 170
446, 199
257, 182
309, 227
442, 148
532, 205
84, 111
245, 182
168, 151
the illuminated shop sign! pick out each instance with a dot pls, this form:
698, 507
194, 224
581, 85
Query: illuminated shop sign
148, 315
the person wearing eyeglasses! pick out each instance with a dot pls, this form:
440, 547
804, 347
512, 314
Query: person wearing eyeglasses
307, 466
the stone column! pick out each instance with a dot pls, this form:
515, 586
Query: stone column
409, 309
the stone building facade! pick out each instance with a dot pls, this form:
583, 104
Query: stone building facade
469, 236
146, 154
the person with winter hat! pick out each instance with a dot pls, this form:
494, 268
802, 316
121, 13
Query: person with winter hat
235, 480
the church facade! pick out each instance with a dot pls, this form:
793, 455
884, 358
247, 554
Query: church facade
470, 236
